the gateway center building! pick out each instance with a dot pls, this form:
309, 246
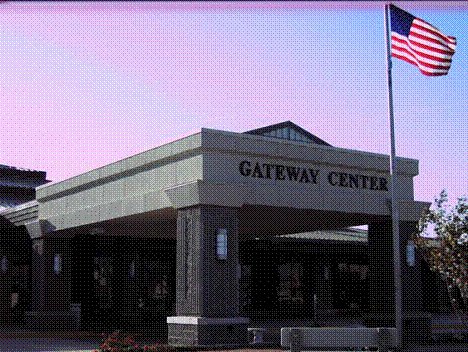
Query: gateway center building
203, 235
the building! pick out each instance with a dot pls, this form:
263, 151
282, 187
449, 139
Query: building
17, 186
196, 234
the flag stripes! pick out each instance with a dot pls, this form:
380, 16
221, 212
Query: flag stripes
421, 44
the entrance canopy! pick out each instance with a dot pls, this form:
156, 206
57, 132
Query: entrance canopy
285, 170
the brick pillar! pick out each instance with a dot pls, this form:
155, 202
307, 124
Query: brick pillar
416, 323
51, 291
207, 302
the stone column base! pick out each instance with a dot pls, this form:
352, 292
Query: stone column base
204, 332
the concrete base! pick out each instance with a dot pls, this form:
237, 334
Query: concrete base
416, 325
204, 332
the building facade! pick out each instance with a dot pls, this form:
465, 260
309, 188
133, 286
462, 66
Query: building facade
185, 230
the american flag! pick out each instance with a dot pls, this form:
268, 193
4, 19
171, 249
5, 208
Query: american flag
421, 44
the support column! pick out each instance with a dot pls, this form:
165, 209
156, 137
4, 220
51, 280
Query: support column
37, 275
381, 286
416, 323
51, 285
207, 302
56, 285
6, 314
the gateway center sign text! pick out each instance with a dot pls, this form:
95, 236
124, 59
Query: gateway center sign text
308, 175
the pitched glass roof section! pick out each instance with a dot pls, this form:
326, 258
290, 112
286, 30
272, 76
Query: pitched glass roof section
7, 202
346, 235
17, 185
289, 131
21, 173
8, 167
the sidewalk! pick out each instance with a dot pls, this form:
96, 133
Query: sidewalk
16, 340
47, 344
89, 345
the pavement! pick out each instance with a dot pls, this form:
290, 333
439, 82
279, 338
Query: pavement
48, 344
90, 345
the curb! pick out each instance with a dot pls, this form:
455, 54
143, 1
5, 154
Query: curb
49, 334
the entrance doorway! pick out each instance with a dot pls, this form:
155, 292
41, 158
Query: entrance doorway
122, 282
96, 280
301, 277
351, 286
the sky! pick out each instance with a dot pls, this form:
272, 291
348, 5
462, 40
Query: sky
84, 84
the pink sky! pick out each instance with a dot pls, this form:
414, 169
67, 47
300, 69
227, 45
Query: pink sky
86, 84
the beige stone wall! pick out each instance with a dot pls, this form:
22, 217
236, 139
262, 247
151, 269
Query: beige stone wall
130, 194
224, 153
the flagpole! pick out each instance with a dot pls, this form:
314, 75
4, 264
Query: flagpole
394, 202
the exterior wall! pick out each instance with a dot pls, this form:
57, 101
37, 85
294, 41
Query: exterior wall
15, 252
129, 186
382, 293
112, 298
411, 276
381, 260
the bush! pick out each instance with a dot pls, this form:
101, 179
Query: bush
122, 342
117, 342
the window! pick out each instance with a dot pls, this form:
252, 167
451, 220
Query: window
154, 281
290, 287
132, 270
351, 286
326, 273
410, 254
4, 264
103, 269
57, 264
221, 244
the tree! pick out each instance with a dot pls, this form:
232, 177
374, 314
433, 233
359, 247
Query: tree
442, 238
